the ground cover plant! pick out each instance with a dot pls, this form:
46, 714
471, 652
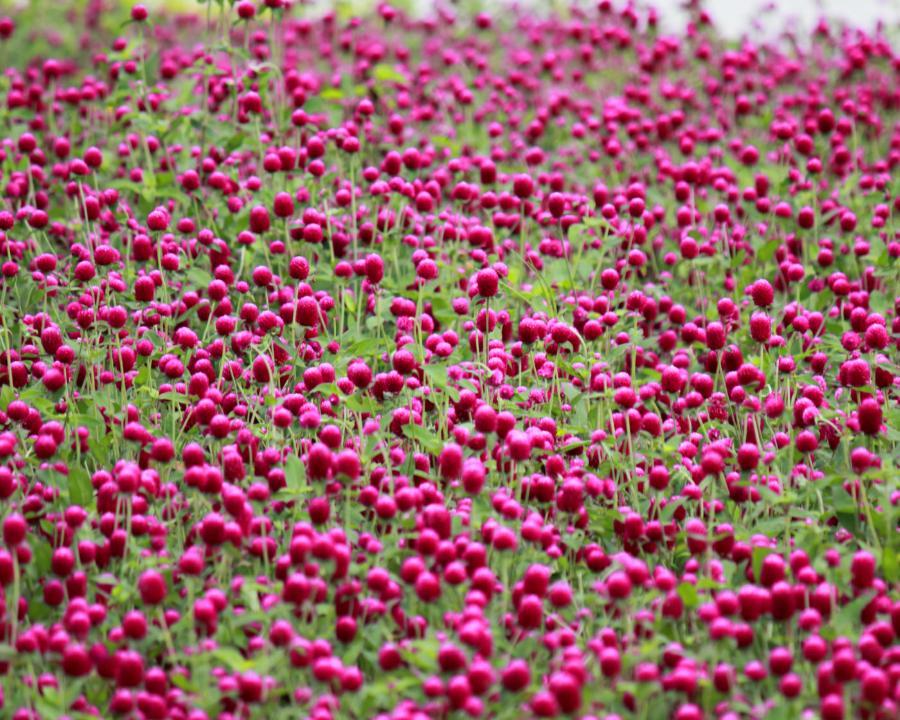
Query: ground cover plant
511, 365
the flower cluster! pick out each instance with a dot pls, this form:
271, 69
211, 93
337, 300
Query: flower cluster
492, 366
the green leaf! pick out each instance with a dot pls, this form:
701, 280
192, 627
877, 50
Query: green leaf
143, 377
383, 72
706, 583
759, 554
422, 654
767, 251
199, 277
184, 683
366, 347
890, 566
426, 438
42, 555
7, 395
441, 141
688, 594
295, 474
847, 618
360, 403
229, 657
80, 490
437, 378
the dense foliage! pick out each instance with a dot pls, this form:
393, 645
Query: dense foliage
525, 365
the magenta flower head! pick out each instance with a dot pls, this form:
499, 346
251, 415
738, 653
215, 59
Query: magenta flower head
246, 10
523, 186
283, 205
7, 27
487, 282
374, 268
158, 220
260, 221
762, 293
139, 13
760, 327
152, 587
870, 416
15, 529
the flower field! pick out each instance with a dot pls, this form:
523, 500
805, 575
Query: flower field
510, 364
